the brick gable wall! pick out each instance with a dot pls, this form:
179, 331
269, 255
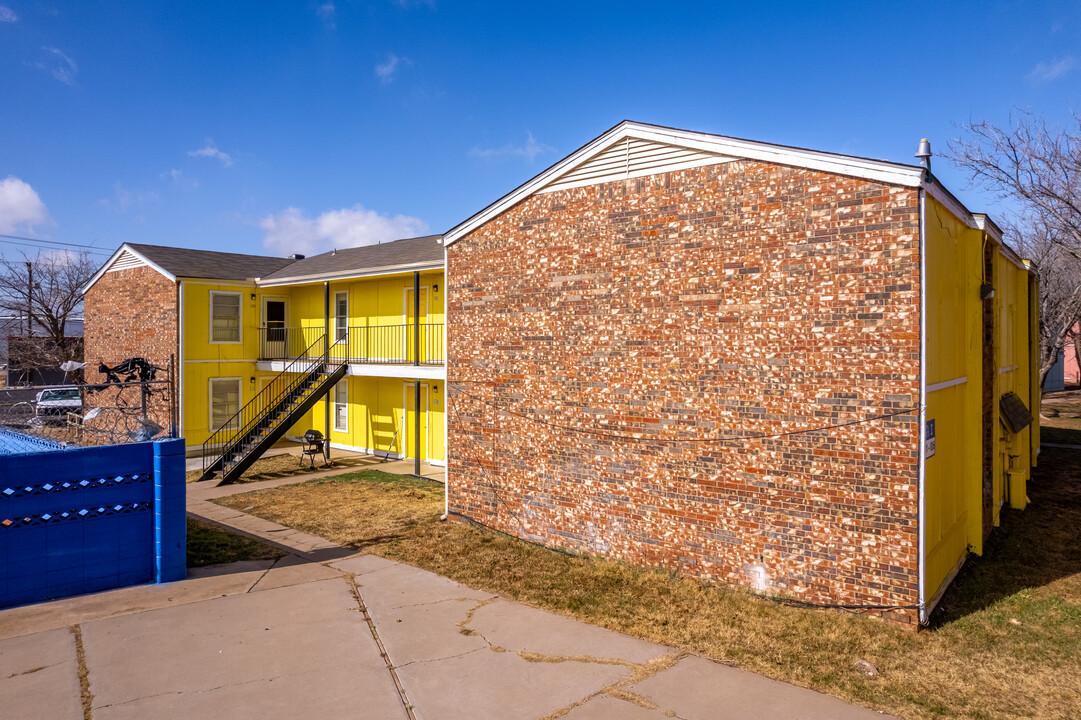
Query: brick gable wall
130, 313
600, 337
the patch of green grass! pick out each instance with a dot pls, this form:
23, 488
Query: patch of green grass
209, 545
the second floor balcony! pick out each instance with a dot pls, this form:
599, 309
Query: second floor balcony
406, 344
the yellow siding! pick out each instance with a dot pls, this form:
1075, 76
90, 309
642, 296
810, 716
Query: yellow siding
953, 480
204, 359
376, 404
376, 421
953, 501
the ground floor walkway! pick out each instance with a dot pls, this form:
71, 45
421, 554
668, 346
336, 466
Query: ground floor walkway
323, 633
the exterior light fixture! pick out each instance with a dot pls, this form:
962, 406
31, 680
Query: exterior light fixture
253, 296
252, 379
923, 152
437, 287
987, 291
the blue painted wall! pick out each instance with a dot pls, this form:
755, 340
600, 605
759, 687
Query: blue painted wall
90, 519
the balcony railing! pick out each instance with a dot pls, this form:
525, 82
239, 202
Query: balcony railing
364, 344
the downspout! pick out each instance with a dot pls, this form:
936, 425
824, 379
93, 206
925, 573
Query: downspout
446, 391
179, 369
416, 381
326, 355
922, 472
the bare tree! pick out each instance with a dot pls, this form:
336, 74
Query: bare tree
1058, 269
45, 291
1039, 168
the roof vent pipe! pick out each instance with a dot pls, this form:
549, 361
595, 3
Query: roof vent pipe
923, 152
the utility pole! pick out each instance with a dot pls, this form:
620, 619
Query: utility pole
29, 298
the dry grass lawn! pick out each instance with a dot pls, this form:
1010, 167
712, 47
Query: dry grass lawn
1006, 643
277, 466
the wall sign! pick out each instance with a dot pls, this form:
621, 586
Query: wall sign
929, 439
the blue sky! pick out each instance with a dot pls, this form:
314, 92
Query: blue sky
279, 127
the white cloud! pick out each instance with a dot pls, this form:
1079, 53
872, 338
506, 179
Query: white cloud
7, 14
528, 151
327, 13
124, 198
20, 207
179, 179
291, 232
60, 66
387, 70
1048, 71
210, 150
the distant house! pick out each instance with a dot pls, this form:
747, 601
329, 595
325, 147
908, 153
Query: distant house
1071, 371
796, 371
13, 333
354, 336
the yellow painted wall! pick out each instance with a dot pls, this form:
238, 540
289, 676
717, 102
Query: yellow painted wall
204, 359
381, 417
954, 476
953, 502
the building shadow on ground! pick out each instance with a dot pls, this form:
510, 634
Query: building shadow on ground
1031, 549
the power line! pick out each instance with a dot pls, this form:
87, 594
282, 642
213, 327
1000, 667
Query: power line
22, 240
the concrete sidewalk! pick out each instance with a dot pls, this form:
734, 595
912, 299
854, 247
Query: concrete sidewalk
323, 633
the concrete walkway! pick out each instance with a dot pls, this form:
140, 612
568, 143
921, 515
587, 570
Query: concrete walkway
323, 633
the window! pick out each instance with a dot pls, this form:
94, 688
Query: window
224, 401
224, 317
341, 317
341, 405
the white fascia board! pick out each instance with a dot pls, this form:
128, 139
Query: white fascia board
331, 276
939, 192
112, 258
877, 170
976, 221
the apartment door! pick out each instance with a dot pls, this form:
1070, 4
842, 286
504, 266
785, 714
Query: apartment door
274, 333
409, 312
409, 428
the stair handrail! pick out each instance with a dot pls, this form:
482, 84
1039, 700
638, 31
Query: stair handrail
221, 438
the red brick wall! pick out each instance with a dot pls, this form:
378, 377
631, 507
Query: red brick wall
130, 313
727, 301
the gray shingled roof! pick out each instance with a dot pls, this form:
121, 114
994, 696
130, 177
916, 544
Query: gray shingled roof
187, 263
389, 256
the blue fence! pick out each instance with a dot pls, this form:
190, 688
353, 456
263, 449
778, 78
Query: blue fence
90, 519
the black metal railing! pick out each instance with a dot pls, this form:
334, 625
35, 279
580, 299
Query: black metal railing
363, 344
311, 361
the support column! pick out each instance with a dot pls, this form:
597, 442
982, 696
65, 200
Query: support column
416, 381
326, 358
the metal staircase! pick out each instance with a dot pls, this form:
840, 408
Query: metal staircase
263, 421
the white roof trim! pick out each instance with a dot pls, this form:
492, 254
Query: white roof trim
337, 275
976, 221
115, 256
877, 170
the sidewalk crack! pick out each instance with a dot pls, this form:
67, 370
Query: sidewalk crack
350, 578
432, 660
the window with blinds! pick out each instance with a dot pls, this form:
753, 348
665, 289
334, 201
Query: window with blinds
224, 401
224, 317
